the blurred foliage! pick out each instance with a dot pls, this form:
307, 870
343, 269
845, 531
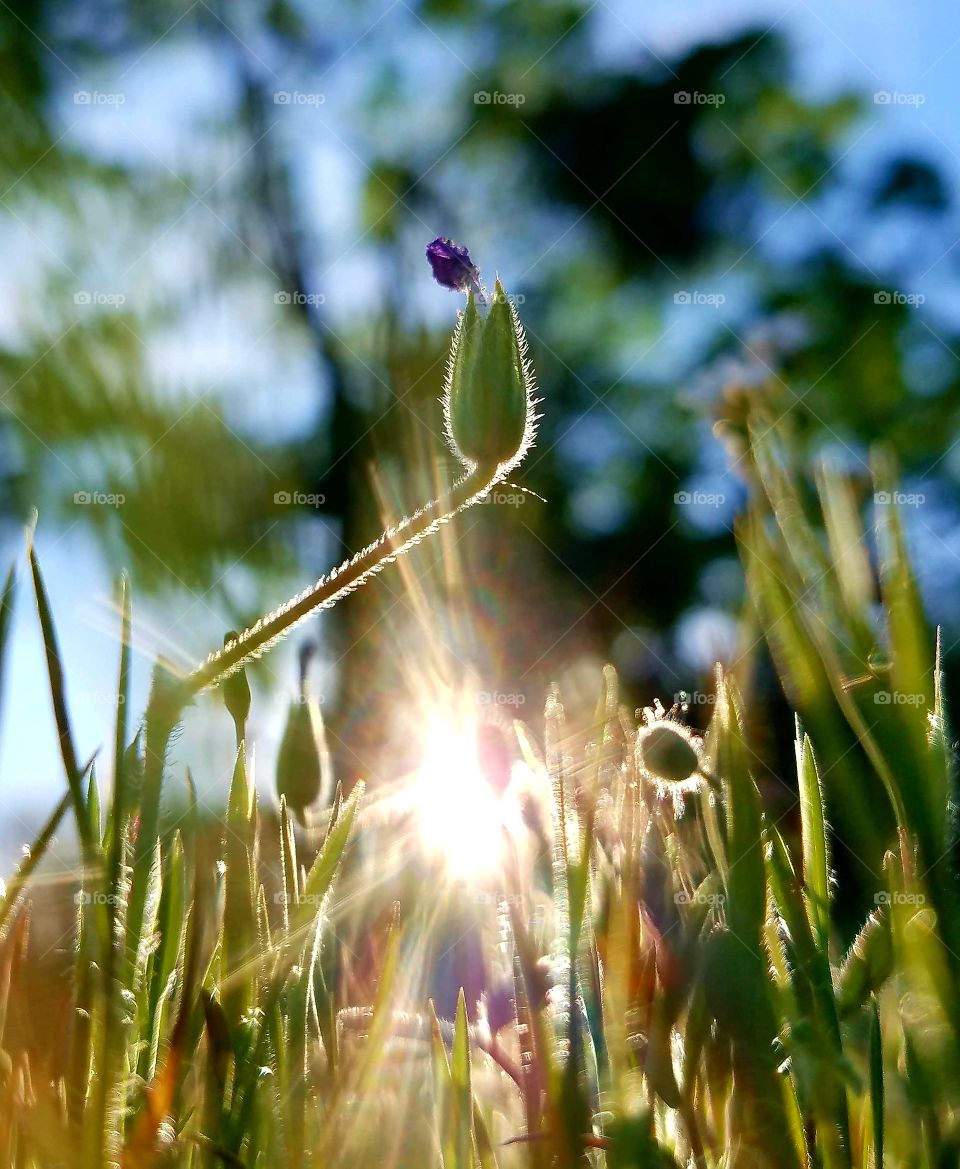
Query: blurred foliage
606, 192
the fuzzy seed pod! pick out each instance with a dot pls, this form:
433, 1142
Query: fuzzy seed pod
488, 400
665, 751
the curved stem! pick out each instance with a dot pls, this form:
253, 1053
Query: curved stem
343, 580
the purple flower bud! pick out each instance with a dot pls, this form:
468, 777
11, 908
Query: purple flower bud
452, 266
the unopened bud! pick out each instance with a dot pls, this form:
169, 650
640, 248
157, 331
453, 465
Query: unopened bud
488, 400
303, 762
235, 692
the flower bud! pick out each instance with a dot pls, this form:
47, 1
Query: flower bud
303, 762
488, 401
451, 265
235, 692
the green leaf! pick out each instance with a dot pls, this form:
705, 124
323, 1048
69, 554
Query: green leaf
6, 616
62, 718
461, 1090
816, 849
876, 1084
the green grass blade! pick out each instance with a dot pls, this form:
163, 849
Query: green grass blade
6, 616
816, 848
876, 1084
33, 856
461, 1090
58, 695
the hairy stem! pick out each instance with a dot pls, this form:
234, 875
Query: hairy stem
343, 580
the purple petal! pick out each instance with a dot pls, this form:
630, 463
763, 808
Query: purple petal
451, 265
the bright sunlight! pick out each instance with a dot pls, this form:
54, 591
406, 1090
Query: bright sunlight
462, 818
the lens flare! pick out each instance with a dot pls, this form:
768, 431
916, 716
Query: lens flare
461, 816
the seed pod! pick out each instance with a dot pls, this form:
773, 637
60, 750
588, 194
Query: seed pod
488, 400
235, 692
303, 762
666, 752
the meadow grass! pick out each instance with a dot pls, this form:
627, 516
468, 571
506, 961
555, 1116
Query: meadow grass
673, 975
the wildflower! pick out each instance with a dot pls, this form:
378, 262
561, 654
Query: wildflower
452, 266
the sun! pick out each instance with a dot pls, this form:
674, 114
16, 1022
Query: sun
462, 819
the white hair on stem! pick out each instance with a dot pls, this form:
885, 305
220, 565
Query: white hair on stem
474, 485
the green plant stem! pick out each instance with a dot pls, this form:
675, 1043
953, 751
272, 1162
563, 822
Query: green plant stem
170, 694
349, 576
